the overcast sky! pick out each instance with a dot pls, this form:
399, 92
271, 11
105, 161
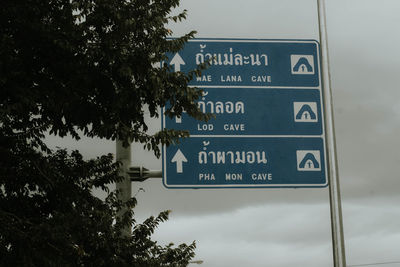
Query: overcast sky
291, 227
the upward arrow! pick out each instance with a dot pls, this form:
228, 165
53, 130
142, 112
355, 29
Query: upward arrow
177, 61
179, 158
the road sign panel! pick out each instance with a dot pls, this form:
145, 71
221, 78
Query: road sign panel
251, 111
251, 62
268, 129
207, 161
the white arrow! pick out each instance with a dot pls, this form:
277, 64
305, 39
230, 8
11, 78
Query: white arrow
179, 158
177, 61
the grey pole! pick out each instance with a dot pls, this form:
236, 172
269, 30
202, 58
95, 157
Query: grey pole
123, 154
339, 257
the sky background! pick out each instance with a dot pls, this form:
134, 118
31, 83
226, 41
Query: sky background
291, 227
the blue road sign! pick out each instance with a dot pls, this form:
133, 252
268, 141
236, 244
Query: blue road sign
268, 129
251, 111
251, 62
246, 162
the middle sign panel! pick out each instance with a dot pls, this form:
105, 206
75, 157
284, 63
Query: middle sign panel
256, 111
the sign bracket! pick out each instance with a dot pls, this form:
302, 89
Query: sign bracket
140, 173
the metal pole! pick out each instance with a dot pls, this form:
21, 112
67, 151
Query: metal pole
123, 154
339, 257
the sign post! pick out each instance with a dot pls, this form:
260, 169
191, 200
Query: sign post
269, 127
123, 154
339, 255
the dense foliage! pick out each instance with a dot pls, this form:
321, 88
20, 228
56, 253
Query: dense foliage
82, 67
48, 216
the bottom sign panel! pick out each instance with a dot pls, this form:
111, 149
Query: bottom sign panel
218, 162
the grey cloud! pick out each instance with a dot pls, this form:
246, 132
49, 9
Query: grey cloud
270, 235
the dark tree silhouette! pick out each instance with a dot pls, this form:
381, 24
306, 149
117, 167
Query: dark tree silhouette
83, 67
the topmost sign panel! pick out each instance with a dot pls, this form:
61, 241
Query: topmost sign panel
271, 63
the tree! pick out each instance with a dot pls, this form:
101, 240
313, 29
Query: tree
83, 67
